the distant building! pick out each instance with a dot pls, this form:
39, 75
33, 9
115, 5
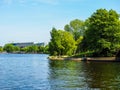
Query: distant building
40, 44
25, 44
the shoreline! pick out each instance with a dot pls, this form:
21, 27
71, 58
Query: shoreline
20, 53
97, 59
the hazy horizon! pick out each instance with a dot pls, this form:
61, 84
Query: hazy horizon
32, 20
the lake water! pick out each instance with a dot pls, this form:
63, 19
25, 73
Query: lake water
36, 72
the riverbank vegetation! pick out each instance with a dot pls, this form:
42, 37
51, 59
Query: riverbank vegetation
99, 35
9, 48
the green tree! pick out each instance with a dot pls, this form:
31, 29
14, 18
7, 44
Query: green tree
62, 43
9, 48
76, 27
32, 49
1, 49
16, 48
23, 50
41, 49
46, 49
103, 33
54, 42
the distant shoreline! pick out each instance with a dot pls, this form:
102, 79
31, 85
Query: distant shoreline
19, 53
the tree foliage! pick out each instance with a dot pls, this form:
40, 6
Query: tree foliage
62, 43
32, 49
76, 28
9, 48
1, 49
103, 33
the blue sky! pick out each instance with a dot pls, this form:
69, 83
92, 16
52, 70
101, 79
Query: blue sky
32, 20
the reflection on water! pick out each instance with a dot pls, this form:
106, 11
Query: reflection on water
103, 75
36, 72
84, 75
66, 75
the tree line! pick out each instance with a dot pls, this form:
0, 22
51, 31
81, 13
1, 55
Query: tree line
10, 48
99, 35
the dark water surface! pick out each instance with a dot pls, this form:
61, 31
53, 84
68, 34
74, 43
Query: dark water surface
36, 72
